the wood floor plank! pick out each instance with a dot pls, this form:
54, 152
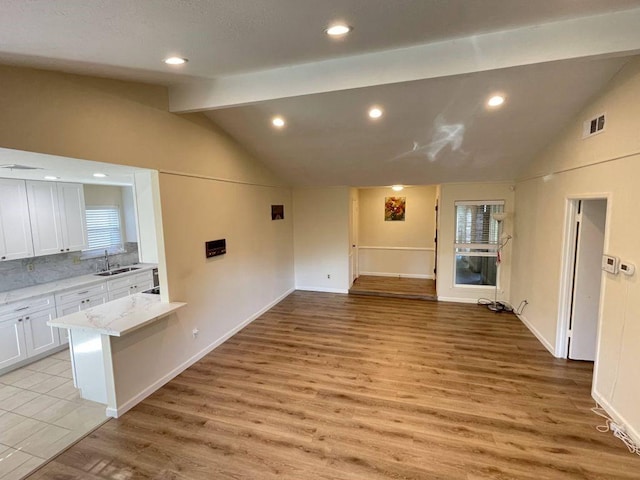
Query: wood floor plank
328, 386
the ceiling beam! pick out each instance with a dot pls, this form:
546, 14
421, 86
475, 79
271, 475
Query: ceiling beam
594, 36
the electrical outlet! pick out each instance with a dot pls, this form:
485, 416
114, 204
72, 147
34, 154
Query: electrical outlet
30, 267
328, 275
195, 332
76, 260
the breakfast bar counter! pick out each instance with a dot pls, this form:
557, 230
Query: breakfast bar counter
97, 333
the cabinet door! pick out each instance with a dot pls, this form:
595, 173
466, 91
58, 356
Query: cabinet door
12, 344
44, 213
93, 301
72, 216
120, 293
39, 336
15, 229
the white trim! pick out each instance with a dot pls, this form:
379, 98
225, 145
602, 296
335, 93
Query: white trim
323, 289
421, 249
538, 335
398, 275
613, 413
457, 300
566, 272
477, 202
132, 402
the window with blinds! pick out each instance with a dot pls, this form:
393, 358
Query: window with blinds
477, 240
103, 228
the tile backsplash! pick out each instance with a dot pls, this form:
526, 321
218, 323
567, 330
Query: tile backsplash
16, 274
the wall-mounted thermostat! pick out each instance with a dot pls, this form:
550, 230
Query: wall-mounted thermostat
610, 264
214, 248
627, 268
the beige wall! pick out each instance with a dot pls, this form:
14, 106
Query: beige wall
418, 228
321, 238
449, 194
400, 248
128, 123
606, 164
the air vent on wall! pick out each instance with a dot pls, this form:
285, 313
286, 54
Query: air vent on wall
15, 166
593, 126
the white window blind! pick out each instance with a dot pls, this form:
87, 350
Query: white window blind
103, 228
475, 228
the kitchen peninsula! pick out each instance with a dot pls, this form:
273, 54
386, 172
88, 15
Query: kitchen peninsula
97, 334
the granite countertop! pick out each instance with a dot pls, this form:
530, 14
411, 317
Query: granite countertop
65, 284
119, 317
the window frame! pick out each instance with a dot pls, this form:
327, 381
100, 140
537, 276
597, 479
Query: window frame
90, 252
491, 249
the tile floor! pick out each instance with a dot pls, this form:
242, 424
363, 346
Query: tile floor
41, 413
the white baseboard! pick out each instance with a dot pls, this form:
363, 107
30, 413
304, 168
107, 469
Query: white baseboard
538, 335
457, 300
132, 402
323, 289
619, 419
401, 275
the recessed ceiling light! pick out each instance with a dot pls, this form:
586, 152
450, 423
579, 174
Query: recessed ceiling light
338, 30
495, 101
51, 177
375, 112
175, 61
99, 175
278, 122
397, 188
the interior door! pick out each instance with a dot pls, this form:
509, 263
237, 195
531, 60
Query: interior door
354, 239
587, 279
435, 249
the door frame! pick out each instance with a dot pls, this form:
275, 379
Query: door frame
566, 272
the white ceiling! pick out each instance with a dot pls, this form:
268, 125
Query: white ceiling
250, 59
68, 169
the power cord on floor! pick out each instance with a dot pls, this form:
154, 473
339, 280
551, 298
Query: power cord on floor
497, 307
617, 430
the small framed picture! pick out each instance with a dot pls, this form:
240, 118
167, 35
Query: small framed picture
277, 212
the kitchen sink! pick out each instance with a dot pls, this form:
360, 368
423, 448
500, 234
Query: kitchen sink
117, 271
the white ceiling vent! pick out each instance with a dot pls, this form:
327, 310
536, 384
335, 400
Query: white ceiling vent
593, 126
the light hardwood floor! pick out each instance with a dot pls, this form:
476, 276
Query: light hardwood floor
345, 387
417, 288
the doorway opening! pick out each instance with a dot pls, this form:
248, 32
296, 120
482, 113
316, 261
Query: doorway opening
584, 245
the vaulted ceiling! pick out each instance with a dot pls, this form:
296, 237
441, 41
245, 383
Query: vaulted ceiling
429, 65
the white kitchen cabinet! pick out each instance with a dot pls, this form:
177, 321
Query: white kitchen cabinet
39, 336
24, 331
125, 286
15, 228
12, 342
78, 299
58, 222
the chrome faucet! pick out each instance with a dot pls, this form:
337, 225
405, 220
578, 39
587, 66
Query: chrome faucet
107, 267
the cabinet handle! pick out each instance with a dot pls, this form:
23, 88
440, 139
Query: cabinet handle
20, 309
19, 319
88, 300
67, 249
4, 258
26, 318
82, 293
62, 249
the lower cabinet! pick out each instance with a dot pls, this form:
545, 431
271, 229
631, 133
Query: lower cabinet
12, 342
24, 331
39, 337
123, 287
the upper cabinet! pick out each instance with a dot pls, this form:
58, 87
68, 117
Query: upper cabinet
57, 215
15, 229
